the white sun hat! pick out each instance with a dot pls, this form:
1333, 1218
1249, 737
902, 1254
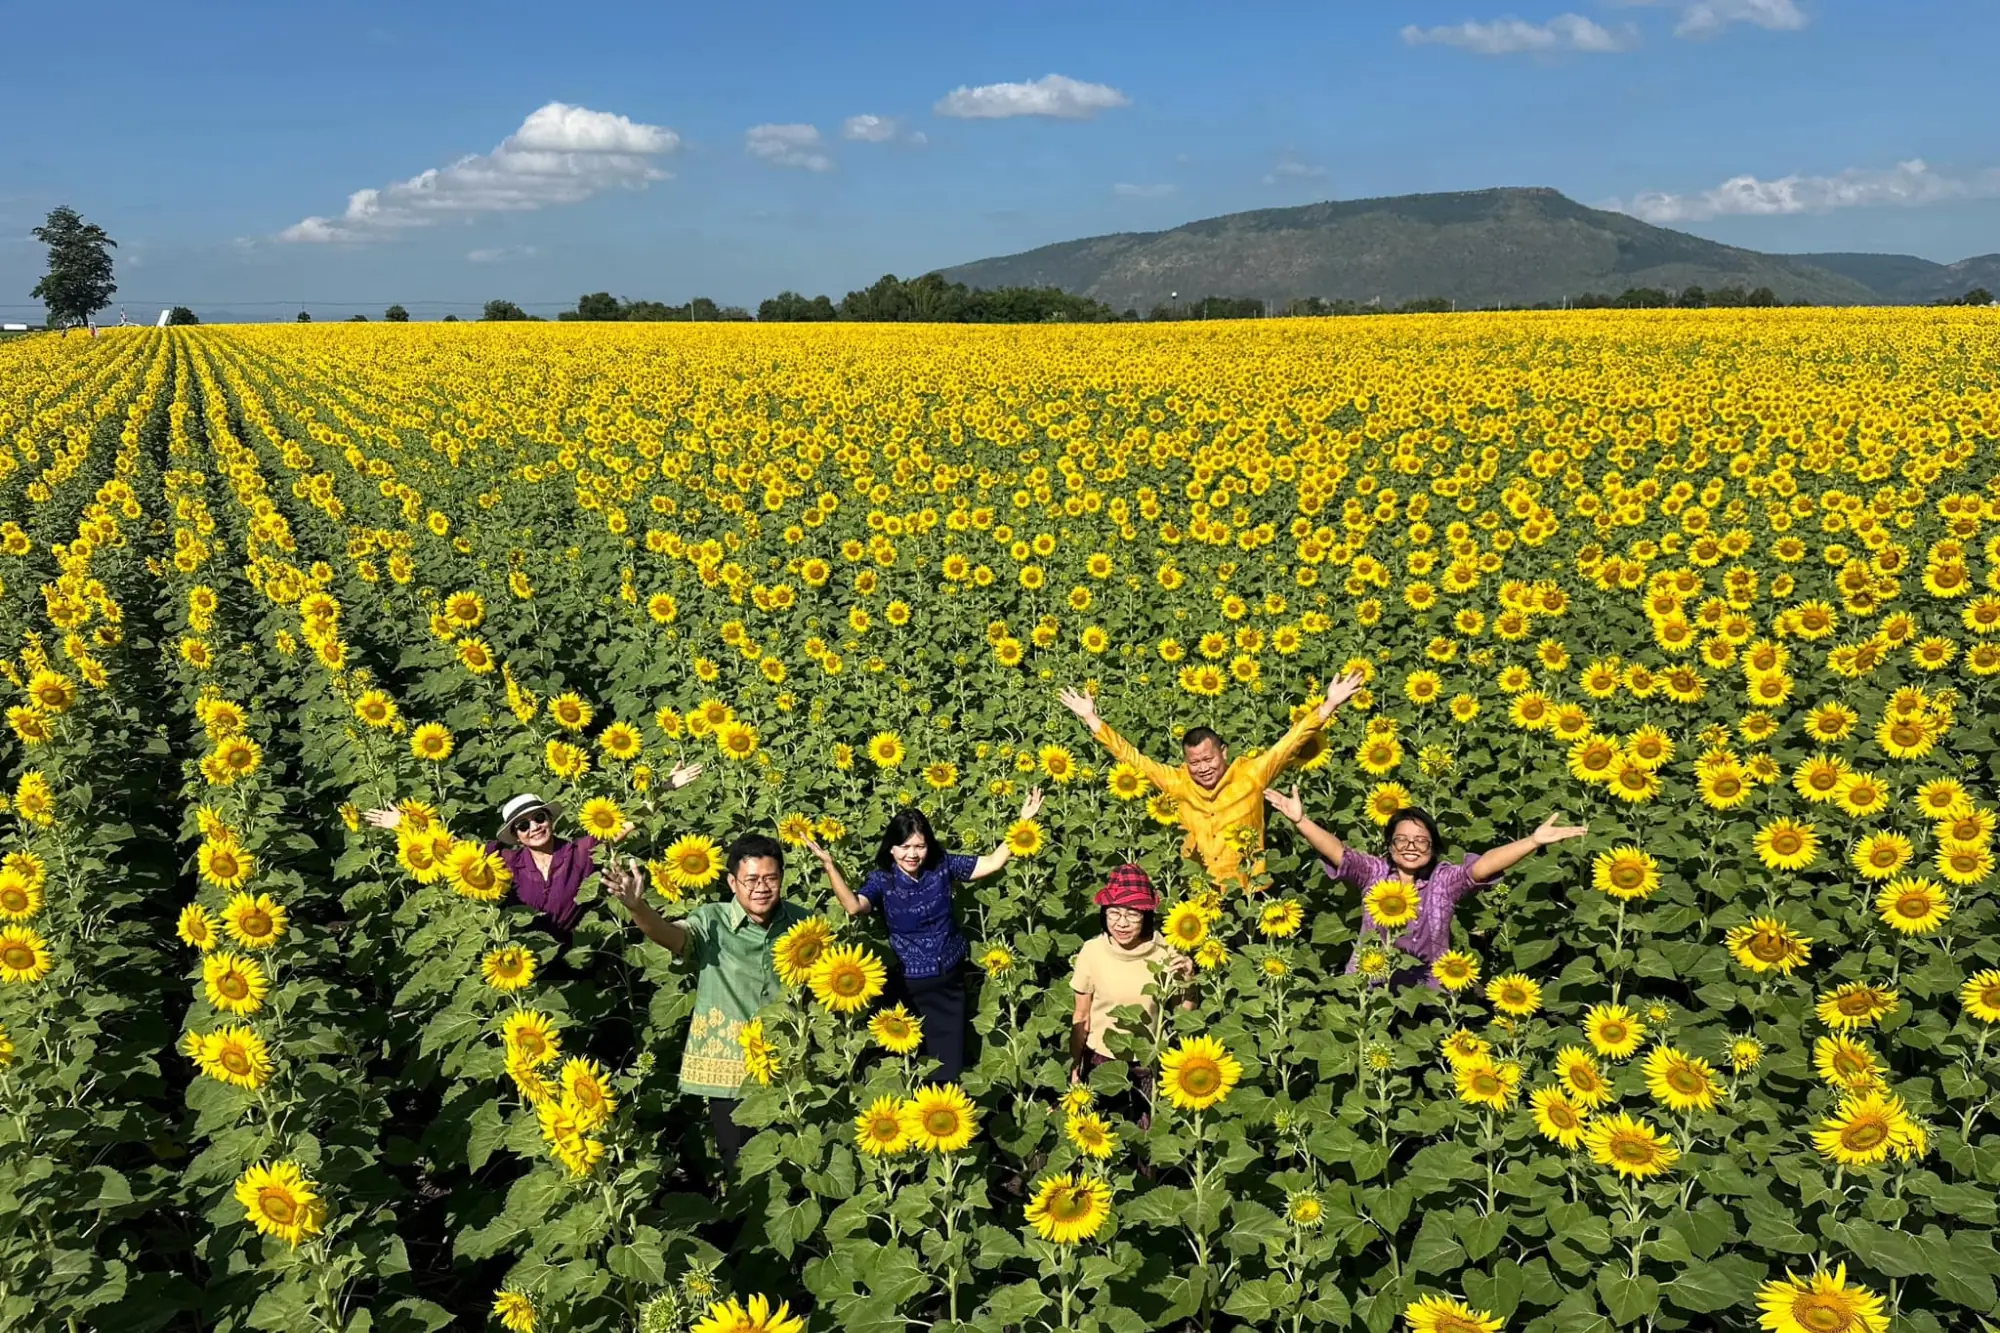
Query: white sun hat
520, 805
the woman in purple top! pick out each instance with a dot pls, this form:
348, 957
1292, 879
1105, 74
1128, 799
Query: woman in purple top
1412, 856
547, 871
912, 880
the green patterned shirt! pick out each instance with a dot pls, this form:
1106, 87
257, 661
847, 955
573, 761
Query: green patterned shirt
734, 978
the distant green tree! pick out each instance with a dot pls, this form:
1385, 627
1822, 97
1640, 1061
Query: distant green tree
1762, 298
500, 311
180, 314
449, 319
596, 305
1978, 296
788, 307
303, 318
79, 280
1692, 298
357, 319
395, 314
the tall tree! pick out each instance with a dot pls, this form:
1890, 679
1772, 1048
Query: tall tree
79, 281
180, 314
395, 314
503, 310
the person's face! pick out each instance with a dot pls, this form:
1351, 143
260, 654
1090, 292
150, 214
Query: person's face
1207, 762
756, 884
909, 854
1410, 845
535, 830
1123, 924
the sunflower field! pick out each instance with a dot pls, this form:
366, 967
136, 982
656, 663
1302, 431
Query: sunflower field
1722, 586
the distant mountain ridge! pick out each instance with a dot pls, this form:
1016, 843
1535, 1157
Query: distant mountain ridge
1511, 246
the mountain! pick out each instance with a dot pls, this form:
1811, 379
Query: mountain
1482, 247
1907, 280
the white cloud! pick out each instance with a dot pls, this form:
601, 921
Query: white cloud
1910, 184
1130, 191
500, 254
869, 129
787, 146
1512, 36
561, 155
1051, 95
1707, 18
1290, 168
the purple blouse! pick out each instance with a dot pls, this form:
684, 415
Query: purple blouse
553, 897
1425, 938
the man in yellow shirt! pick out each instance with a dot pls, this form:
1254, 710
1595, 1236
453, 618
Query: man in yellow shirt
1217, 797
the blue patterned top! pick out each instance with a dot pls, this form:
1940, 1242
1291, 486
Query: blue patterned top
923, 930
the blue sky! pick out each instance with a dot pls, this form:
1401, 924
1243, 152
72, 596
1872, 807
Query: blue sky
675, 150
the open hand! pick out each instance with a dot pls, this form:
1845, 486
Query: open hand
1079, 703
386, 817
1287, 804
820, 853
625, 883
683, 775
1340, 690
1551, 832
1033, 805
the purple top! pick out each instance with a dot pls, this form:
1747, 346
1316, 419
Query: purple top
1425, 938
918, 912
554, 897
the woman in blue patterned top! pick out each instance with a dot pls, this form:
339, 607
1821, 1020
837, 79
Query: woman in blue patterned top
912, 882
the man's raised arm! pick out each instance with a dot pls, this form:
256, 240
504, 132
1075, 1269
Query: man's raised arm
1273, 761
1165, 778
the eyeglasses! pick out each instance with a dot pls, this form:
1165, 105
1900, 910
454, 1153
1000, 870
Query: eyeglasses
1417, 844
760, 881
526, 822
1128, 914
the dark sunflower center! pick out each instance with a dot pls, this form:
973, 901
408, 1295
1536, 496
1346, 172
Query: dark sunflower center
1200, 1078
278, 1206
1865, 1136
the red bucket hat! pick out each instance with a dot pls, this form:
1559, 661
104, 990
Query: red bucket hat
1129, 887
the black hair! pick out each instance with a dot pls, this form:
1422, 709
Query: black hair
902, 824
1413, 813
754, 846
1197, 735
1148, 922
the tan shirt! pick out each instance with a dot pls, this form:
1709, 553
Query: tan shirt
1113, 977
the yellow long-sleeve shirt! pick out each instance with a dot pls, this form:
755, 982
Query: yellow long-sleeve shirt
1210, 813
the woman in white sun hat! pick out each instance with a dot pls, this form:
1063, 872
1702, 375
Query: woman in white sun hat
547, 870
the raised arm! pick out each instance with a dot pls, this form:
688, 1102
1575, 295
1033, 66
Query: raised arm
1166, 779
849, 899
1001, 855
628, 886
1331, 849
1502, 859
1272, 762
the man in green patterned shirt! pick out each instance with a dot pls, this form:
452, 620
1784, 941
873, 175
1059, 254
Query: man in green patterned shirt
728, 944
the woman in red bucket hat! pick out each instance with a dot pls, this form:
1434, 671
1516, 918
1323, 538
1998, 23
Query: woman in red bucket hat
1115, 969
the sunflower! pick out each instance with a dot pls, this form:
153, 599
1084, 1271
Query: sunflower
1514, 994
196, 927
1912, 906
1198, 1073
601, 817
224, 864
1857, 1004
31, 725
1768, 944
570, 712
1846, 1064
1680, 1082
1463, 1048
881, 1130
24, 955
1864, 1129
846, 978
1614, 1031
254, 921
896, 1030
1820, 1303
996, 961
1069, 1208
1058, 763
507, 969
1881, 855
1186, 926
939, 1118
21, 898
476, 873
515, 1311
234, 984
1818, 779
1557, 1118
736, 740
1787, 844
621, 741
799, 948
732, 1316
1456, 969
235, 1055
1392, 903
1482, 1082
531, 1037
1630, 1146
1980, 995
1442, 1314
1625, 873
280, 1201
1126, 782
1280, 919
885, 749
1582, 1078
52, 692
1024, 837
587, 1093
941, 776
693, 862
1091, 1134
1305, 1208
432, 742
1964, 863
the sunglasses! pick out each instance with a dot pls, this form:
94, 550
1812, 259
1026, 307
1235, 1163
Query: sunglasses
526, 822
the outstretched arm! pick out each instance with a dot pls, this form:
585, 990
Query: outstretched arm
1272, 762
1001, 855
1085, 708
1330, 848
627, 885
849, 899
1503, 858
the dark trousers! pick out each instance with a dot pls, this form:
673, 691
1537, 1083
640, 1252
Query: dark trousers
940, 1002
729, 1136
1132, 1102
